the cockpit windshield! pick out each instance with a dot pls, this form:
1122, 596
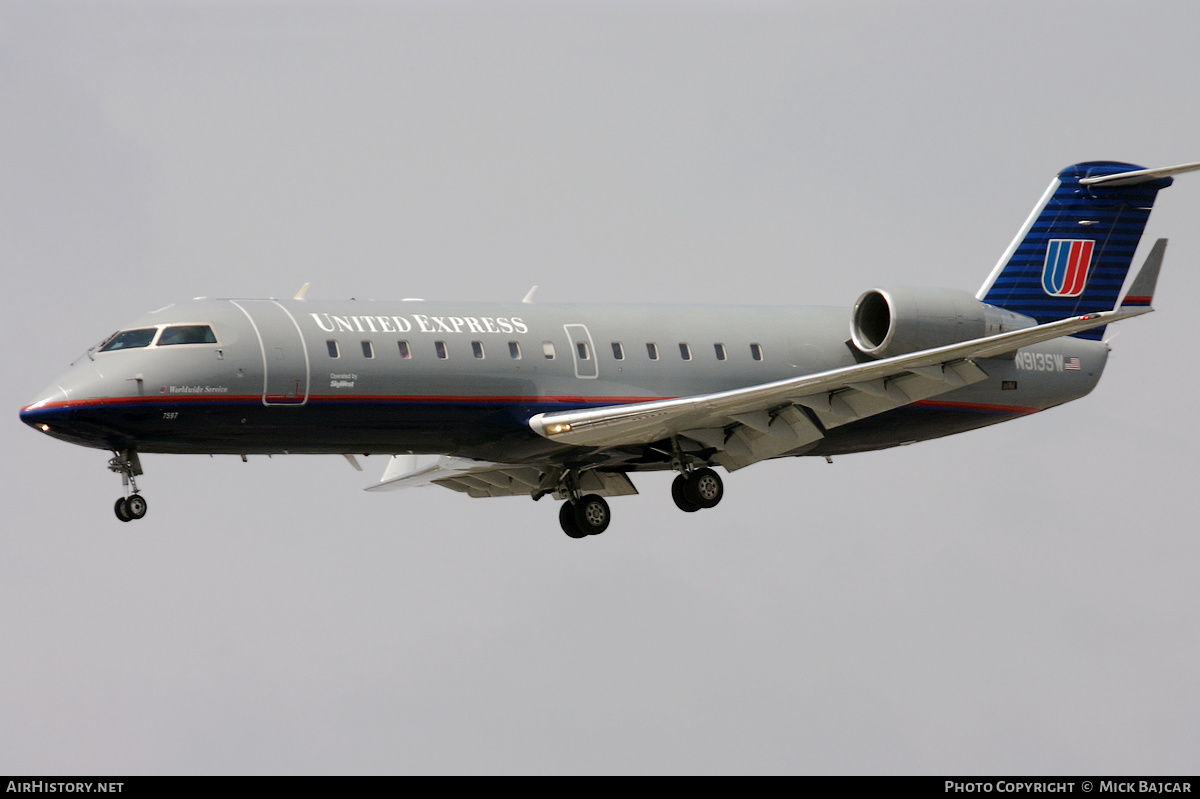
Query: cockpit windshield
130, 339
187, 334
171, 334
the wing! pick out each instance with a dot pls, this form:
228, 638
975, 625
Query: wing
750, 424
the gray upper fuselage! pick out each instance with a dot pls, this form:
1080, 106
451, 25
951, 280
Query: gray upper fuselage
365, 376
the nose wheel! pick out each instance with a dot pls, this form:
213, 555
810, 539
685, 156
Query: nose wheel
133, 505
130, 508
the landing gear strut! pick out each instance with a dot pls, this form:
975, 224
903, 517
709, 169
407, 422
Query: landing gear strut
132, 505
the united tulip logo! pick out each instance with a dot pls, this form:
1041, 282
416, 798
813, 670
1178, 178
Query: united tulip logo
1065, 271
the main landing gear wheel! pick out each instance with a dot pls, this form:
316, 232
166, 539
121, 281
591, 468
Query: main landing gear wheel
583, 517
679, 494
566, 520
704, 488
592, 514
121, 511
697, 490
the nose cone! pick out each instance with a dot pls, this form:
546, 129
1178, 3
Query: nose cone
62, 408
51, 408
53, 397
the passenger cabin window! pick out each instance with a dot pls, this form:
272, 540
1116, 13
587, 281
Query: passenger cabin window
618, 351
187, 334
130, 339
582, 348
652, 350
440, 348
548, 350
332, 346
477, 349
685, 351
720, 349
405, 352
756, 352
514, 349
368, 350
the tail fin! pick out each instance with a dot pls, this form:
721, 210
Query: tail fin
1074, 251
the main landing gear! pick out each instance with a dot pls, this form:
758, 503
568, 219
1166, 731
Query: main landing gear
132, 505
588, 515
696, 490
693, 490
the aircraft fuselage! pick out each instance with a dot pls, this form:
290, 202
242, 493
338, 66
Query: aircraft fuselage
296, 376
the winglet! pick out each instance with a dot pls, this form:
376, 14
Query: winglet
1141, 291
529, 297
300, 293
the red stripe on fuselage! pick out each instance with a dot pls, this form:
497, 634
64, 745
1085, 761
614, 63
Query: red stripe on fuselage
975, 406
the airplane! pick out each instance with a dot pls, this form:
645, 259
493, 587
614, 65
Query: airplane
569, 400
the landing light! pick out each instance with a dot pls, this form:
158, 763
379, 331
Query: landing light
559, 428
45, 428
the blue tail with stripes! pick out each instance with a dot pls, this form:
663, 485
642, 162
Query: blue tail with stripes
1073, 253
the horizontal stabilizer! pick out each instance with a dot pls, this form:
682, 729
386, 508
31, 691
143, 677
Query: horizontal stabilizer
1139, 175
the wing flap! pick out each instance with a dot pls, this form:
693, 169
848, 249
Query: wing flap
789, 430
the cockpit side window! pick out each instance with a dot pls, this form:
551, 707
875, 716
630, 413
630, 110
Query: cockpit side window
130, 339
187, 334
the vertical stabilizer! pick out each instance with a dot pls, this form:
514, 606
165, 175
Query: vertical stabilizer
1073, 253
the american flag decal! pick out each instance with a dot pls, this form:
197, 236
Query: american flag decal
1064, 274
1072, 365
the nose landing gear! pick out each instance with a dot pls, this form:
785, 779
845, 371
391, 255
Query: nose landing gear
132, 505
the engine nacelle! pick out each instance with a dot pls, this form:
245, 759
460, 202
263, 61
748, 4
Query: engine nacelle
888, 322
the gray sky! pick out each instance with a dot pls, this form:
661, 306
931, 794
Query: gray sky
1017, 599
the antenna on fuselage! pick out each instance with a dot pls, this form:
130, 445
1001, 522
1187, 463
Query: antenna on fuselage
529, 297
300, 293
